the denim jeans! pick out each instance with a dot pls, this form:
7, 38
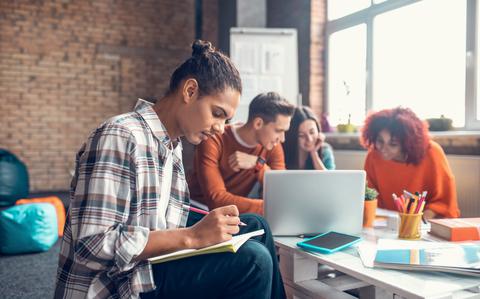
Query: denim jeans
252, 272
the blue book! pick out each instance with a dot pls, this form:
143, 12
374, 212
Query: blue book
434, 256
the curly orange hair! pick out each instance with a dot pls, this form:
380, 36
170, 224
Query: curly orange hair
403, 124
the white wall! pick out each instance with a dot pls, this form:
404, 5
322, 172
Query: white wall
465, 168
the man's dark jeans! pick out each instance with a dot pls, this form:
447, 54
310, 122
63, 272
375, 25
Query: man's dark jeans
252, 272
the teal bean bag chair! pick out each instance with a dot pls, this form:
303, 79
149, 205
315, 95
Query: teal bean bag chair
13, 179
28, 228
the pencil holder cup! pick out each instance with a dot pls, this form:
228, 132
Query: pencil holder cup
409, 226
369, 212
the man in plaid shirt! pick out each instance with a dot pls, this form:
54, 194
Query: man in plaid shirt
129, 201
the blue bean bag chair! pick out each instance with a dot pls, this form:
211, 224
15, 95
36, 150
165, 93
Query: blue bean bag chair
13, 179
28, 228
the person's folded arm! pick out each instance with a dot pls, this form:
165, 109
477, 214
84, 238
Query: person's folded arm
328, 158
211, 181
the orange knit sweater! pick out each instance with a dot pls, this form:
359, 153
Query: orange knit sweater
432, 174
215, 184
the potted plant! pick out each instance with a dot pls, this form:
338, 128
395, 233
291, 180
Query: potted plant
346, 128
440, 124
370, 206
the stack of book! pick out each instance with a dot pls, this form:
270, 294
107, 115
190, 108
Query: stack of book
456, 229
460, 258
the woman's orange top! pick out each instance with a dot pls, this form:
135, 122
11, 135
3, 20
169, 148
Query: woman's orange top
432, 174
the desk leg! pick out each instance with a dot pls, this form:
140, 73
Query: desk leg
372, 292
300, 278
296, 268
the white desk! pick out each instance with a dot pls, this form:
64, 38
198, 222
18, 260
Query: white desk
300, 274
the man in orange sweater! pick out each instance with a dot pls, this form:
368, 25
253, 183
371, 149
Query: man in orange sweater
228, 166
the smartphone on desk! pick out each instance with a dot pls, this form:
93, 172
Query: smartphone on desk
329, 242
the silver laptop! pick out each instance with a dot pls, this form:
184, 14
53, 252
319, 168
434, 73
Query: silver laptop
310, 201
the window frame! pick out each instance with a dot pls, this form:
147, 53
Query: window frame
367, 15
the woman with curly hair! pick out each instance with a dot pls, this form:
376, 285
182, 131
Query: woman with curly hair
402, 156
304, 144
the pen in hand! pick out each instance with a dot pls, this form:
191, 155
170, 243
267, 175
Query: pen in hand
242, 224
199, 211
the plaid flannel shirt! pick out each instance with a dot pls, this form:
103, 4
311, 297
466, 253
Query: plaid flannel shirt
114, 203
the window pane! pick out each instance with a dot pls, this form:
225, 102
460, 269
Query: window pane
346, 75
419, 59
341, 8
478, 65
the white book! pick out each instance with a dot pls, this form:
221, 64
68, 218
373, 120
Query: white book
228, 246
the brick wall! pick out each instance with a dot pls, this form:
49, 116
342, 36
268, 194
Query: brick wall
210, 30
65, 66
317, 54
210, 21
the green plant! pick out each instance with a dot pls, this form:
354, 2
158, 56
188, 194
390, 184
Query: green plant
370, 193
440, 124
346, 128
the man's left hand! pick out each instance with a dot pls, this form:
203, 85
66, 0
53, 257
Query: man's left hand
240, 160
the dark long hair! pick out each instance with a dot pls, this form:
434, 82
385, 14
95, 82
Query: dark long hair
213, 70
290, 146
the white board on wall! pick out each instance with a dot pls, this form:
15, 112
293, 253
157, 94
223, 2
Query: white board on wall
267, 59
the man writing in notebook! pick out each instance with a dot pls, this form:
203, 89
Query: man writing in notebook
229, 165
129, 201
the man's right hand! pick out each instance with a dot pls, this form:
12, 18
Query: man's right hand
218, 226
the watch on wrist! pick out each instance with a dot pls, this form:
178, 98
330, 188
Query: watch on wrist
260, 163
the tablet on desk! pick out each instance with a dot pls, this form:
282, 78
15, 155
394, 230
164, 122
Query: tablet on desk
329, 242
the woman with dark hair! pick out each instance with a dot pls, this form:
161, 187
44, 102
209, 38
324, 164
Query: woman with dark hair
130, 201
402, 156
304, 144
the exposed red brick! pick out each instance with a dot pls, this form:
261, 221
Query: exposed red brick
317, 59
65, 66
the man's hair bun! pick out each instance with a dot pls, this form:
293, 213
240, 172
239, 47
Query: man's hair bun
212, 69
200, 47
